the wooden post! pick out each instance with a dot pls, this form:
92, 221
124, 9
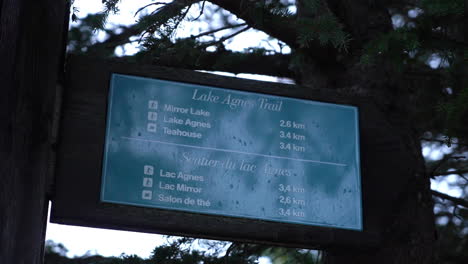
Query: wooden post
32, 38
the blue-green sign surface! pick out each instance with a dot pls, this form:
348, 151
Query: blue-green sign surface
210, 150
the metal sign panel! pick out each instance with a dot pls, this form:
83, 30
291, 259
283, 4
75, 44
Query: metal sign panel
202, 149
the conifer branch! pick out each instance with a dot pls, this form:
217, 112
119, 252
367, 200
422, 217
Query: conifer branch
457, 201
217, 30
221, 40
201, 10
277, 26
108, 46
441, 141
363, 19
161, 15
183, 16
148, 5
186, 54
445, 159
228, 252
151, 22
459, 172
223, 60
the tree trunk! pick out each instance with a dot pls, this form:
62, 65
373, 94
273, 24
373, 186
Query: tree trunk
407, 206
410, 233
408, 218
31, 49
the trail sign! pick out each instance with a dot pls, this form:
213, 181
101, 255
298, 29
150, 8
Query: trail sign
203, 149
154, 149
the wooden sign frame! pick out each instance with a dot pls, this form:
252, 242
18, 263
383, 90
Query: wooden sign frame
76, 197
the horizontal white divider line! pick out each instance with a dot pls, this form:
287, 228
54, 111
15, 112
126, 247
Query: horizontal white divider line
234, 151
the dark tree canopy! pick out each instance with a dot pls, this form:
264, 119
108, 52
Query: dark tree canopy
408, 56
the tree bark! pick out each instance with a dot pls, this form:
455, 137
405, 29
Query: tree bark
409, 235
31, 50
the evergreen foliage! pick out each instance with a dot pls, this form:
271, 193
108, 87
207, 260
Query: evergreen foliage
455, 114
435, 31
323, 26
191, 251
